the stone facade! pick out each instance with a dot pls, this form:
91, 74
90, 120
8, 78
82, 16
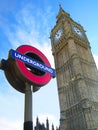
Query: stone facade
77, 75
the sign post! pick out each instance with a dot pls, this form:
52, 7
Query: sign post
27, 69
28, 124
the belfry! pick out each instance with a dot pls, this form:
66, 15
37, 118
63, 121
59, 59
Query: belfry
76, 73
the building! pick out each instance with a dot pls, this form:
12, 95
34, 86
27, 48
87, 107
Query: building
77, 75
43, 126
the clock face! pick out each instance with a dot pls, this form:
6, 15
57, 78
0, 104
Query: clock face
77, 31
58, 34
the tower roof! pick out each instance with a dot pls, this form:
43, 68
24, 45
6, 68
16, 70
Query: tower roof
62, 13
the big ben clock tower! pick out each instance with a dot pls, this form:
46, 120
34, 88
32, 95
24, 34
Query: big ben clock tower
76, 73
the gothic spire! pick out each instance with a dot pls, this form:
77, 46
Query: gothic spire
47, 124
52, 127
62, 14
60, 7
37, 121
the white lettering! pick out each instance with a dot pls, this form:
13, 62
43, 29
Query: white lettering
33, 62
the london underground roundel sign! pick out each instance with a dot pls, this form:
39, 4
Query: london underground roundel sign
33, 65
33, 74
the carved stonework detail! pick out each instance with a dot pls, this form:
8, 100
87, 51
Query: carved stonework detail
77, 75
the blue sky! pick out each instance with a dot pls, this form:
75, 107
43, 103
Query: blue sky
29, 22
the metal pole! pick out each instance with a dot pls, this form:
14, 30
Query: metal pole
28, 124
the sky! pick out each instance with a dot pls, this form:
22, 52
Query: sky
30, 23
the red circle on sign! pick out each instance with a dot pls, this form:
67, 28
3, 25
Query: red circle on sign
35, 79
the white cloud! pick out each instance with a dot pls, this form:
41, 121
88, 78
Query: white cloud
96, 59
6, 124
31, 30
